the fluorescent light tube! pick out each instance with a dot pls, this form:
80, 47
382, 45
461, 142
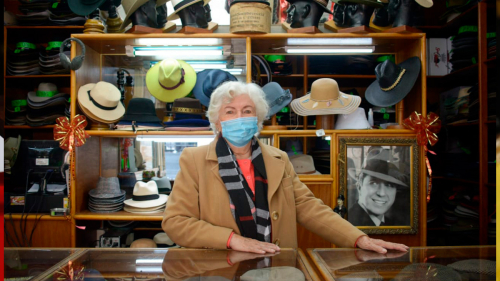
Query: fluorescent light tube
328, 41
330, 50
200, 140
148, 261
178, 41
174, 51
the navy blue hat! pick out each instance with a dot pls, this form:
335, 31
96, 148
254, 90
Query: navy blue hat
141, 110
188, 113
207, 81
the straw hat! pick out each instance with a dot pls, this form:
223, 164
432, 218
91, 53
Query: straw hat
102, 100
146, 196
170, 79
325, 98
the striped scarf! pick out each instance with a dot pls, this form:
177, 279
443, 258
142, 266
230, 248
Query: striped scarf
251, 212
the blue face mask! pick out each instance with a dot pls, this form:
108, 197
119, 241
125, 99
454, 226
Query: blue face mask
239, 131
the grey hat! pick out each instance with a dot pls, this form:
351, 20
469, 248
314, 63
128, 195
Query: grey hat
107, 188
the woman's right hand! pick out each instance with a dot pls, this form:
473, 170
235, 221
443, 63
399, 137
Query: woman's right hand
240, 243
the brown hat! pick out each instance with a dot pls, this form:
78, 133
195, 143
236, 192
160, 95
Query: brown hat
325, 98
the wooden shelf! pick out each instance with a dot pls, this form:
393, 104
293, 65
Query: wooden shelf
463, 124
148, 229
491, 121
46, 216
126, 134
451, 28
459, 72
26, 127
490, 184
38, 76
44, 27
118, 216
454, 179
284, 76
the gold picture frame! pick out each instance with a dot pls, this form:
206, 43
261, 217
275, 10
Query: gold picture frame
366, 164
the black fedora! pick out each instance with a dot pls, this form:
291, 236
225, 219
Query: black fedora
84, 7
207, 81
141, 110
322, 3
383, 170
394, 82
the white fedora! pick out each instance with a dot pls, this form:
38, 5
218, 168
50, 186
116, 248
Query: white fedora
303, 164
146, 195
102, 100
425, 3
354, 121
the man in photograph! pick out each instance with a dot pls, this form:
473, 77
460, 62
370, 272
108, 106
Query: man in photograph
377, 186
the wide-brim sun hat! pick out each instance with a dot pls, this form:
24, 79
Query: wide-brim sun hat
105, 103
325, 98
170, 79
393, 83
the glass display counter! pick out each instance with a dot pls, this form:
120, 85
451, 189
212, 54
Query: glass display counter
426, 263
30, 264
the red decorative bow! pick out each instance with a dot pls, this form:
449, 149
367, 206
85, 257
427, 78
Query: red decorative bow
70, 135
426, 129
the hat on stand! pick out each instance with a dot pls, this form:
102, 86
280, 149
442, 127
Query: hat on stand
277, 98
107, 197
188, 115
146, 198
130, 6
170, 79
102, 99
354, 121
303, 164
207, 81
182, 4
322, 3
394, 82
325, 98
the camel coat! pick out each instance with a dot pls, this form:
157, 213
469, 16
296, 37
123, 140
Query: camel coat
198, 213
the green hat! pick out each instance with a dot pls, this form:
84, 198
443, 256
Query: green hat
170, 79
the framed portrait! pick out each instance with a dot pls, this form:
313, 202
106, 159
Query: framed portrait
379, 180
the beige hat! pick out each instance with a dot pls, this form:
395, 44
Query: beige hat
146, 195
94, 118
102, 100
143, 243
152, 210
182, 4
303, 164
425, 3
163, 239
130, 6
325, 98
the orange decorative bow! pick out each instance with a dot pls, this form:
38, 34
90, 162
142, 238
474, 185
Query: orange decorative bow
426, 129
70, 135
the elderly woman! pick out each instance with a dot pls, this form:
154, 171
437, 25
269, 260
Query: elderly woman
241, 194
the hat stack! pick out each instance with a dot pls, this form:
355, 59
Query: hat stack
107, 197
278, 64
16, 112
46, 105
100, 102
49, 60
360, 65
327, 64
35, 12
140, 116
61, 14
455, 105
146, 199
187, 116
23, 60
464, 47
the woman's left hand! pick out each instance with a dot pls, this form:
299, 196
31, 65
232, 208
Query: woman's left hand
379, 246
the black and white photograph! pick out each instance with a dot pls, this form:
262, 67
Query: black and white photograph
378, 180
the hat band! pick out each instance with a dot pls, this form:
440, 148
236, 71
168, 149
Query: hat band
396, 82
183, 3
187, 110
281, 99
178, 84
46, 94
145, 197
101, 106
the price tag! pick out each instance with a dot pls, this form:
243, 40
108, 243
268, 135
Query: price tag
42, 162
320, 132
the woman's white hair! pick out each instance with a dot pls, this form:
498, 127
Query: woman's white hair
227, 91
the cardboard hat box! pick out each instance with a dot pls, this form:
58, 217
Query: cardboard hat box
250, 17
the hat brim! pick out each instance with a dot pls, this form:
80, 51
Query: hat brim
93, 193
377, 97
174, 15
84, 10
165, 95
425, 3
134, 7
149, 203
325, 9
188, 123
353, 171
94, 118
375, 4
34, 98
154, 210
277, 108
345, 104
108, 115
